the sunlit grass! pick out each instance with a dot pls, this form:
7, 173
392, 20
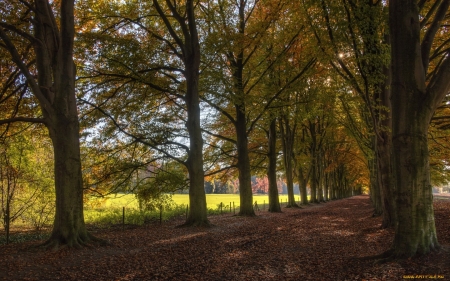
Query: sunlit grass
109, 210
129, 201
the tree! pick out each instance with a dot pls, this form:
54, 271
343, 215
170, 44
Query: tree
190, 55
253, 38
274, 201
161, 72
420, 81
52, 82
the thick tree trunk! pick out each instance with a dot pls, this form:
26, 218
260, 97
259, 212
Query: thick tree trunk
56, 79
412, 109
287, 137
326, 187
385, 180
375, 193
245, 178
274, 201
68, 227
302, 182
191, 58
313, 181
384, 150
320, 197
197, 197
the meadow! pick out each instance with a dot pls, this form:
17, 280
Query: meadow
110, 210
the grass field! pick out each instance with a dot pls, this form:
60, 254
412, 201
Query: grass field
129, 201
109, 210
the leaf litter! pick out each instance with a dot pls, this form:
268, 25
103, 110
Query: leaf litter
326, 241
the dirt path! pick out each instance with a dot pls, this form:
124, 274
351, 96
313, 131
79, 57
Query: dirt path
320, 242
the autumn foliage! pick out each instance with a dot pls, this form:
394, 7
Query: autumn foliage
321, 242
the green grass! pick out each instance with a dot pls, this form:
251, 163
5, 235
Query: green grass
109, 210
129, 201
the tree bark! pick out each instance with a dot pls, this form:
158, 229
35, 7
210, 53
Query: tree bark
68, 227
274, 201
245, 179
287, 137
313, 181
302, 182
412, 109
375, 193
56, 79
190, 47
197, 197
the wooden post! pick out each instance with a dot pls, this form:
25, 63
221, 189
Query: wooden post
234, 209
230, 207
187, 211
123, 218
160, 214
264, 205
221, 206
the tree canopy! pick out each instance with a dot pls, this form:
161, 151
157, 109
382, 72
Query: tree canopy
154, 97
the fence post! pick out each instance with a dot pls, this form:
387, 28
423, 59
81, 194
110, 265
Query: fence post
264, 205
123, 218
187, 211
234, 209
160, 214
230, 207
221, 206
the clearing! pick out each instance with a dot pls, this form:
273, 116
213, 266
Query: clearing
318, 242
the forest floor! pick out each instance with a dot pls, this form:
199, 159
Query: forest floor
325, 241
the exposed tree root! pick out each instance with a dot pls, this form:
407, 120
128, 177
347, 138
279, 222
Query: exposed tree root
392, 255
58, 242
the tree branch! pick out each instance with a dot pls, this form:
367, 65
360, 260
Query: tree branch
23, 119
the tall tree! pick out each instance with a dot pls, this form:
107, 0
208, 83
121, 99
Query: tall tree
254, 37
52, 82
161, 72
274, 202
189, 45
420, 81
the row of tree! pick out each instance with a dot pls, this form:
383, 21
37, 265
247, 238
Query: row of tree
340, 94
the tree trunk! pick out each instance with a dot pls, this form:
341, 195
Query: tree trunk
68, 227
320, 178
274, 201
384, 150
245, 180
302, 182
326, 187
375, 193
385, 180
197, 197
287, 137
191, 58
313, 181
56, 78
412, 109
